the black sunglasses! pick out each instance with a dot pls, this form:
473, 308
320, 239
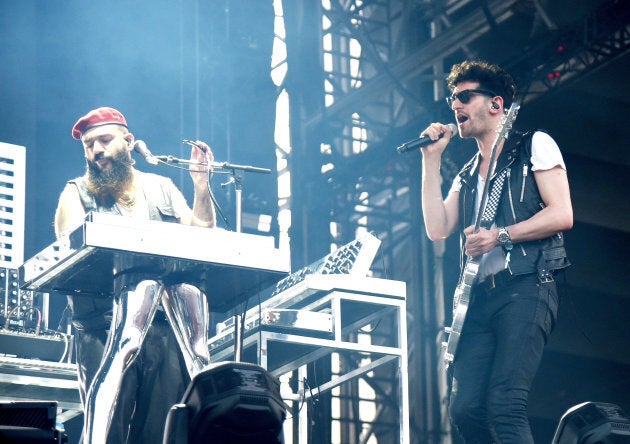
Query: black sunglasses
464, 96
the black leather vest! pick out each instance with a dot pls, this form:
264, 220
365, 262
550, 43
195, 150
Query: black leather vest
519, 201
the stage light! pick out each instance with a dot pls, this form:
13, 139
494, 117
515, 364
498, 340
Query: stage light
230, 402
554, 75
593, 423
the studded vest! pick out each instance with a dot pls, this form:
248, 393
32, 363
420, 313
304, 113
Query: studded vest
519, 201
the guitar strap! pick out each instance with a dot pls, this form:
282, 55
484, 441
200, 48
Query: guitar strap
487, 218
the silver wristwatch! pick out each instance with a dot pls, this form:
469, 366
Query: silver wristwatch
504, 239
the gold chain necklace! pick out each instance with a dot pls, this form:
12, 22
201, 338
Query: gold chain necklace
128, 200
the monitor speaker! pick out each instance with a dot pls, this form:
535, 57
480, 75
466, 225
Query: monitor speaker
593, 423
30, 422
228, 403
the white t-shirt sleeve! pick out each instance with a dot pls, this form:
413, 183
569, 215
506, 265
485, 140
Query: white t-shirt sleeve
545, 152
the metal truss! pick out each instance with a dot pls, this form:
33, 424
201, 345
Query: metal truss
395, 88
386, 92
563, 57
566, 56
358, 43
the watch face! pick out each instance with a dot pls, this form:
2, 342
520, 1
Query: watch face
503, 236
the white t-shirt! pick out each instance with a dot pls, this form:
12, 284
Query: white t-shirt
545, 156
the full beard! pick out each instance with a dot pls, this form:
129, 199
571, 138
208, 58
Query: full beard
108, 186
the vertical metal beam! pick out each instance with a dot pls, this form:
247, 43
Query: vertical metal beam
309, 232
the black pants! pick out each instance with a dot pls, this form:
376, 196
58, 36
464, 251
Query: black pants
500, 349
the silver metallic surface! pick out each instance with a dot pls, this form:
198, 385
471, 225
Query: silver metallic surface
187, 311
355, 304
135, 306
133, 313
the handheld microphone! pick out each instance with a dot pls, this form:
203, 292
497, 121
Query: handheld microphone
141, 148
423, 141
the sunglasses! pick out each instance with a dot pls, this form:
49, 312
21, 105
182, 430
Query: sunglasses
465, 95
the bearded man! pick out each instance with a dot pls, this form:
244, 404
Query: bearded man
129, 381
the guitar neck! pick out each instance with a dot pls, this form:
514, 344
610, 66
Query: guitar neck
502, 134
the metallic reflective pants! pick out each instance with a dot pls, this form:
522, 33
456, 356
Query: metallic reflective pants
135, 305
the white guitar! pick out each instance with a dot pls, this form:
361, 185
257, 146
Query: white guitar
461, 298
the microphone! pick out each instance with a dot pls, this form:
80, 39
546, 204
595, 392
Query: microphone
423, 141
141, 148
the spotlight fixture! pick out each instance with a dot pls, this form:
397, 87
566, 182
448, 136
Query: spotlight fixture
229, 402
593, 423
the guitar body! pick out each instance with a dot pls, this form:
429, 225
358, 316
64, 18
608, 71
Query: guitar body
461, 301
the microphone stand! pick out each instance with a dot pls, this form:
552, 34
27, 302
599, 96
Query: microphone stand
238, 184
238, 192
239, 319
225, 168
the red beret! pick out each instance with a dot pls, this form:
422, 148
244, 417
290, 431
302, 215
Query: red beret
97, 117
